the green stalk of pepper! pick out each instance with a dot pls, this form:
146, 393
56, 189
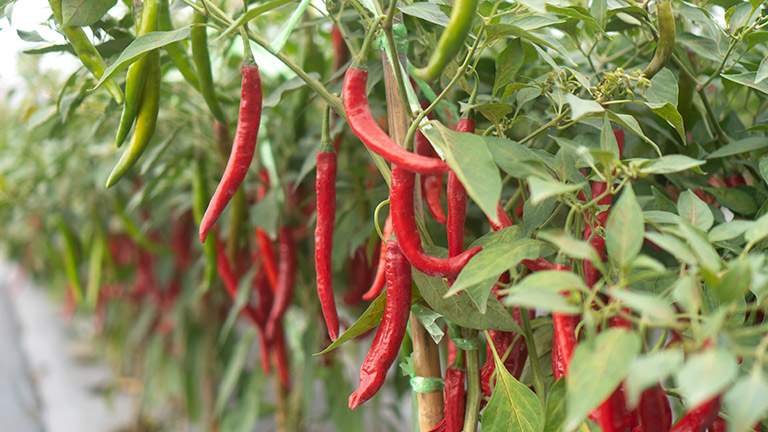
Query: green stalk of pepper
176, 51
86, 52
95, 261
137, 73
202, 60
70, 259
146, 120
200, 203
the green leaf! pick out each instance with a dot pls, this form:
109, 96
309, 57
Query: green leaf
729, 230
608, 141
582, 107
429, 12
542, 189
479, 275
571, 247
460, 310
278, 41
747, 401
142, 45
554, 415
251, 14
758, 231
234, 368
646, 371
764, 168
577, 12
735, 282
542, 290
663, 89
661, 217
624, 228
609, 353
499, 30
508, 62
669, 113
82, 13
370, 319
494, 112
513, 407
428, 318
736, 199
706, 255
695, 211
687, 293
670, 164
534, 215
706, 374
630, 123
747, 79
741, 146
762, 71
646, 305
543, 300
469, 157
674, 246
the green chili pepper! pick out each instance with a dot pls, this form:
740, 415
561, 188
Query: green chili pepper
202, 61
451, 41
146, 120
137, 73
200, 202
666, 43
86, 52
95, 261
176, 51
237, 216
70, 259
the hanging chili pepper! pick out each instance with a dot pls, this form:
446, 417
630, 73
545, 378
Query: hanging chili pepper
564, 338
654, 410
242, 149
86, 52
325, 185
612, 413
176, 50
699, 418
340, 50
180, 230
286, 277
666, 42
452, 39
454, 394
267, 252
230, 280
516, 353
734, 180
378, 280
199, 37
431, 184
457, 201
281, 354
364, 126
265, 297
146, 120
404, 222
359, 276
389, 336
138, 73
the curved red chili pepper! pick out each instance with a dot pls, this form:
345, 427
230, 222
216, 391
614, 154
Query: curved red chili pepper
326, 221
734, 180
230, 280
359, 276
286, 276
378, 280
278, 344
389, 336
654, 410
267, 252
612, 413
340, 50
432, 187
261, 286
242, 149
699, 418
404, 222
183, 226
515, 360
457, 201
363, 125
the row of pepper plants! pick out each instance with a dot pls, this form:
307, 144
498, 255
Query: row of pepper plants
517, 216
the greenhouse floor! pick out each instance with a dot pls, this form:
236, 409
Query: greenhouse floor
48, 378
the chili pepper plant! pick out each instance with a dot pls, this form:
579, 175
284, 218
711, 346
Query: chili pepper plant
425, 215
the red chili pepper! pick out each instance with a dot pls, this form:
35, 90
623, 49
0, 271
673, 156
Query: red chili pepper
699, 418
278, 345
286, 276
389, 336
261, 286
363, 125
229, 278
564, 338
242, 149
378, 280
340, 50
515, 360
326, 221
431, 184
612, 413
359, 276
654, 411
455, 396
457, 201
734, 180
404, 222
181, 238
267, 252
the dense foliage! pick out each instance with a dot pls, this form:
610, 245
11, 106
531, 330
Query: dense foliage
645, 187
